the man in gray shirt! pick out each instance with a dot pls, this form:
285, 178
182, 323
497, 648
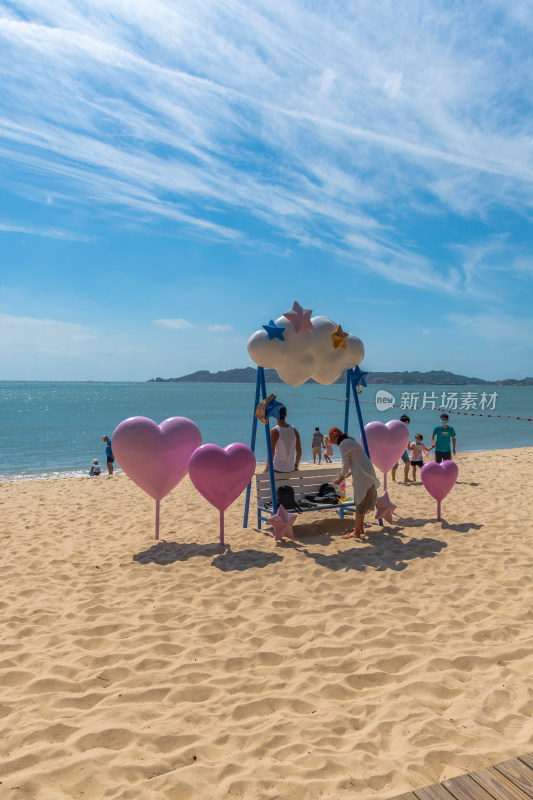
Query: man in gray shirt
316, 444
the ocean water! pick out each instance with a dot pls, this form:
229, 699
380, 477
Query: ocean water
52, 429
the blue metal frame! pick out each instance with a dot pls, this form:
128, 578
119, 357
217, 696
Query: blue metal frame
351, 376
260, 393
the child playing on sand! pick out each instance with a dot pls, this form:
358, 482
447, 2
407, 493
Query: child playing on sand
328, 450
95, 468
418, 448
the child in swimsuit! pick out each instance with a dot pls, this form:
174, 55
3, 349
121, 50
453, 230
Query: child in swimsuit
418, 449
328, 450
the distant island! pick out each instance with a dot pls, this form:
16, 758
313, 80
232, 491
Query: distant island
432, 378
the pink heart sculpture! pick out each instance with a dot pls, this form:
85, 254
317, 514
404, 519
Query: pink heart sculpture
386, 442
155, 457
221, 474
439, 479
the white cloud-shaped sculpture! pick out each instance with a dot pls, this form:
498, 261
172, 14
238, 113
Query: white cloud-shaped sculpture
306, 353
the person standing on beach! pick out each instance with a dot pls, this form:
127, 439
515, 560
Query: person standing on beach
418, 449
109, 454
406, 457
286, 445
356, 463
328, 450
443, 437
316, 446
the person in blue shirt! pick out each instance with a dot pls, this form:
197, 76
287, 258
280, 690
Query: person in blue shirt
109, 454
443, 437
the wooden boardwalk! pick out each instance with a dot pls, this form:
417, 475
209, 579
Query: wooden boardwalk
510, 780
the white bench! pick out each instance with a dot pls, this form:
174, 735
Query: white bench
303, 482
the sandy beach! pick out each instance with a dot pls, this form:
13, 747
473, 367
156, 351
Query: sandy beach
324, 669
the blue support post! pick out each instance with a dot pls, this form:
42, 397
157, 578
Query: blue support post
360, 418
260, 392
347, 403
359, 415
261, 373
252, 447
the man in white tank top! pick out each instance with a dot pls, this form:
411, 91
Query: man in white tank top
286, 445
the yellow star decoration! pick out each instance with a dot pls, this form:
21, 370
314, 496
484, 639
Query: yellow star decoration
339, 338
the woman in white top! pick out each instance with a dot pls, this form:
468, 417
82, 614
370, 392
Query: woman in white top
286, 445
356, 463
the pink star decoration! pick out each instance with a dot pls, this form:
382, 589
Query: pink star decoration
384, 507
300, 318
282, 523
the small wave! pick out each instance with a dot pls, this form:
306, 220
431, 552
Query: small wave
39, 476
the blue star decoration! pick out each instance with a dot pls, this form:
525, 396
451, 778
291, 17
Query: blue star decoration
274, 331
272, 409
359, 377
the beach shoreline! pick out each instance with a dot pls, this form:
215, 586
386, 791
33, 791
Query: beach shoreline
325, 668
261, 464
54, 429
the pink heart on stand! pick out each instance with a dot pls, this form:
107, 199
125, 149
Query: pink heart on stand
439, 479
386, 442
155, 457
221, 474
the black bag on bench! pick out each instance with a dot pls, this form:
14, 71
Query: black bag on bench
326, 495
285, 497
326, 488
327, 499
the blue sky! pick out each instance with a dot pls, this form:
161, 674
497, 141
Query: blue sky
174, 174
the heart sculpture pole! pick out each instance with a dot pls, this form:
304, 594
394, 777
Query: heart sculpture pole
155, 457
386, 443
221, 474
439, 480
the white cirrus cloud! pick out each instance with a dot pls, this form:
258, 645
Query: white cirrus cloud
179, 113
174, 324
183, 325
306, 354
51, 233
500, 328
20, 335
